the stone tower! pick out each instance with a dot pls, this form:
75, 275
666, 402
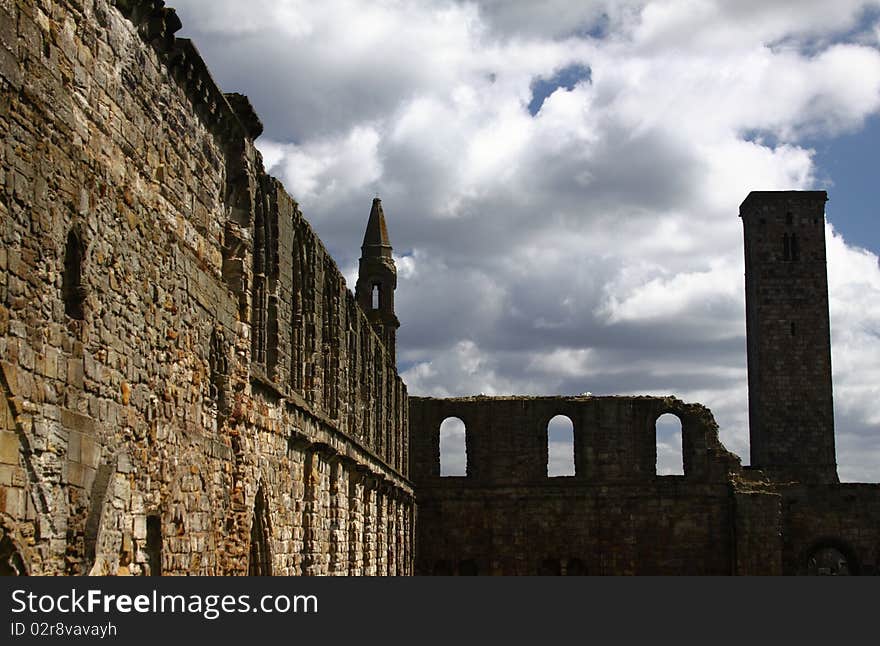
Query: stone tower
377, 279
791, 416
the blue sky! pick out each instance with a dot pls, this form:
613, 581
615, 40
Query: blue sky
566, 78
850, 162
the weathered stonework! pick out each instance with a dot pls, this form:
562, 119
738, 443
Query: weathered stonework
184, 373
615, 516
791, 413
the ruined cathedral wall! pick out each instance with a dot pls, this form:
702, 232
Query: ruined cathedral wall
187, 384
616, 515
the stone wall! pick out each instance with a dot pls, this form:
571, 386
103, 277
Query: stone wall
187, 383
844, 518
189, 388
616, 515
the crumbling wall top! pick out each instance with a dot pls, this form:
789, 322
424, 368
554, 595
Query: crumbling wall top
228, 116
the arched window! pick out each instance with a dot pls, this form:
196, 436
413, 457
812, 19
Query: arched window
453, 447
260, 562
72, 288
264, 315
560, 447
670, 460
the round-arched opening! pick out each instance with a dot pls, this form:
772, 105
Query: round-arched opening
560, 447
670, 459
829, 559
453, 447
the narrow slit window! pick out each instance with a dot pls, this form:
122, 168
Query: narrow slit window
260, 562
154, 545
374, 296
670, 461
560, 447
786, 247
71, 286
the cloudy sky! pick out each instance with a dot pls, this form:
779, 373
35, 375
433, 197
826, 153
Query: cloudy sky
562, 179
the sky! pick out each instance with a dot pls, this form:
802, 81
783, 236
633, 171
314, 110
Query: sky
561, 180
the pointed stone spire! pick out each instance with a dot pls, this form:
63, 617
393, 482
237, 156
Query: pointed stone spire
376, 236
377, 279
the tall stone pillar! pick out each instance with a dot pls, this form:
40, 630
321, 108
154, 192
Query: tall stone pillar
369, 543
401, 538
297, 455
316, 520
355, 520
391, 534
338, 517
381, 532
311, 515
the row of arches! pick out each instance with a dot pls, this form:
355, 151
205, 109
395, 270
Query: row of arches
560, 446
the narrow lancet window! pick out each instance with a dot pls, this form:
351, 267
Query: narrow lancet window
374, 297
260, 562
72, 288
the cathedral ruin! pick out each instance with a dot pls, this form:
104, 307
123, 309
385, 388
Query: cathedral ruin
188, 386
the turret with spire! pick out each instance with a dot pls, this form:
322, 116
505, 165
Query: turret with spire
377, 279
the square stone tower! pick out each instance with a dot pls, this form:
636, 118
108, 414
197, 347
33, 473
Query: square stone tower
791, 413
